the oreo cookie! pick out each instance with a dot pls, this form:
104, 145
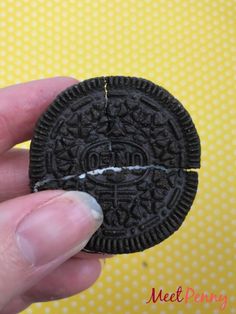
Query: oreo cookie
130, 144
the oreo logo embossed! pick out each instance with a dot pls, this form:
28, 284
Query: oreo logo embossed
113, 153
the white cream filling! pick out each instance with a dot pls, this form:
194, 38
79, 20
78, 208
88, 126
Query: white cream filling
101, 171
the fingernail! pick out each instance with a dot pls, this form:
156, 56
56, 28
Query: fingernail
61, 225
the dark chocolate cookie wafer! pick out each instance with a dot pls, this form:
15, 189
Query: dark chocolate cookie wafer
127, 142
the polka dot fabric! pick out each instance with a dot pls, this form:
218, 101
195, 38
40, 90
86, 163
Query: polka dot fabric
188, 47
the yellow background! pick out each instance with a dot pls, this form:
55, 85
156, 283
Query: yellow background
186, 46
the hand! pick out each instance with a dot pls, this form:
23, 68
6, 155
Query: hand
40, 233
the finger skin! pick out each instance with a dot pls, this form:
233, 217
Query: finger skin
22, 105
14, 182
14, 179
11, 213
17, 274
16, 306
70, 278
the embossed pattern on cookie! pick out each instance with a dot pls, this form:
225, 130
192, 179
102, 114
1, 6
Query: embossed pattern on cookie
130, 144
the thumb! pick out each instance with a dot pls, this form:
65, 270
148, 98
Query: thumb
38, 232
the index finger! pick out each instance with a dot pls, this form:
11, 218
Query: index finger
22, 104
